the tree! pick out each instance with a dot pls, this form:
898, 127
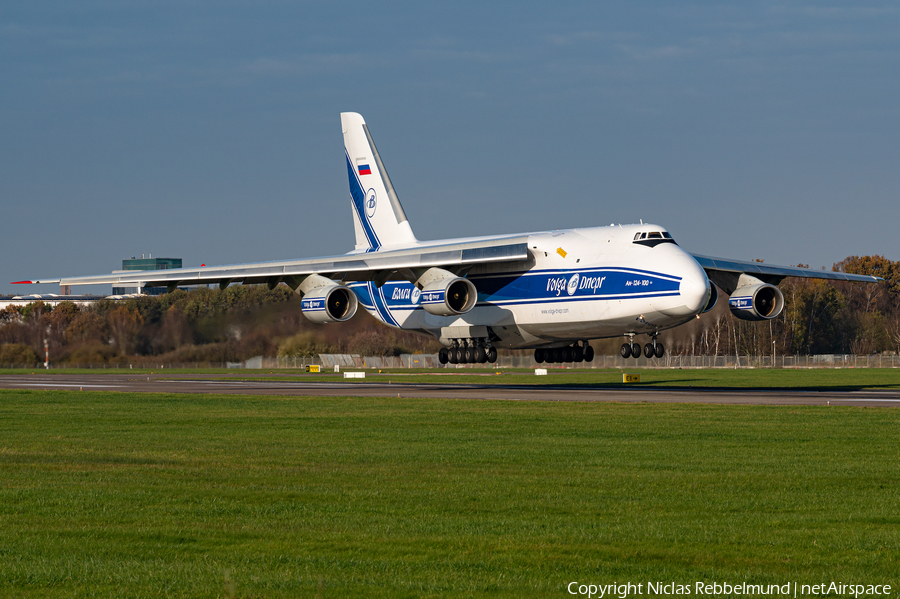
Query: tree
124, 325
17, 354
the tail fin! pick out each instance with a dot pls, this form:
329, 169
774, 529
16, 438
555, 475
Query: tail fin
378, 216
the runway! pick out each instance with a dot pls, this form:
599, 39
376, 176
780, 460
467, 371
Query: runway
228, 384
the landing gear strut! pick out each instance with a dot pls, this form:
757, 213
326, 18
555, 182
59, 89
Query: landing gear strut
651, 350
468, 351
572, 353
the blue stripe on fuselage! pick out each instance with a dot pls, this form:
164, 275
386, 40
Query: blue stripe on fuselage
533, 287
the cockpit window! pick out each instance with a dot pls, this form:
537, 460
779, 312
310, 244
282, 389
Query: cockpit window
653, 238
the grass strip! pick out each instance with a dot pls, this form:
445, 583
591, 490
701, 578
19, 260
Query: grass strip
108, 494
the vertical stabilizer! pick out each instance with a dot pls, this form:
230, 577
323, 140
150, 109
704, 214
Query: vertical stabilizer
378, 216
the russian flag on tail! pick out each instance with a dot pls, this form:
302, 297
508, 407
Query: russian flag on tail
362, 165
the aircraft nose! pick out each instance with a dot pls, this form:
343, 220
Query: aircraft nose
693, 292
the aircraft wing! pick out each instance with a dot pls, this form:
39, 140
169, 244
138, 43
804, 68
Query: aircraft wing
372, 266
725, 272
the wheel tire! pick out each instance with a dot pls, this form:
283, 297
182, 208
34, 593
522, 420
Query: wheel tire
660, 350
472, 355
577, 353
492, 355
538, 355
636, 351
462, 354
648, 351
625, 351
443, 356
480, 355
558, 355
453, 355
588, 354
568, 355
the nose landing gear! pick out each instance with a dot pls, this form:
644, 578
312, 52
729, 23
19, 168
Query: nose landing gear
655, 349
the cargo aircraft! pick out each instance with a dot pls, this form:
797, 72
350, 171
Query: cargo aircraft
552, 291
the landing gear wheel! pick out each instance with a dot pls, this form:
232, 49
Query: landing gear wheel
588, 354
492, 355
462, 354
660, 350
480, 355
471, 356
443, 356
636, 350
453, 355
625, 351
578, 352
648, 351
568, 355
538, 355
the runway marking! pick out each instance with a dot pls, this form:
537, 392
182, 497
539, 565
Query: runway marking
861, 399
63, 385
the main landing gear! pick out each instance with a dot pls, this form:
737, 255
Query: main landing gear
558, 355
468, 351
651, 350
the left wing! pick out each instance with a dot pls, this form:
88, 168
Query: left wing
725, 272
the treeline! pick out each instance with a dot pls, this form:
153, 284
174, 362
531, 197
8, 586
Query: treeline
202, 325
231, 325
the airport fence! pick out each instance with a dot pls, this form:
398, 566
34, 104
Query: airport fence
343, 361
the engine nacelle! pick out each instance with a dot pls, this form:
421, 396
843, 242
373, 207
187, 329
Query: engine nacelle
445, 294
332, 303
756, 302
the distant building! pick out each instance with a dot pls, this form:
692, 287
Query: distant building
142, 263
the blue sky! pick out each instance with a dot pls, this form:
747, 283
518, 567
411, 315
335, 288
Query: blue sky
211, 131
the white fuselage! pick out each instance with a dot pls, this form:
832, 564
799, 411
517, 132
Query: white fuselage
577, 284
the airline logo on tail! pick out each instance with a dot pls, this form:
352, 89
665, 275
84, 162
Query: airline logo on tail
371, 203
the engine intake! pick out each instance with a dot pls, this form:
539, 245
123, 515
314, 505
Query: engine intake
445, 294
756, 302
334, 303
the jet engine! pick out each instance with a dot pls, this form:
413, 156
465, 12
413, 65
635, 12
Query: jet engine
759, 301
325, 301
445, 294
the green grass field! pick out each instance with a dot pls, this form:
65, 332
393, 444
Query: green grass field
153, 495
